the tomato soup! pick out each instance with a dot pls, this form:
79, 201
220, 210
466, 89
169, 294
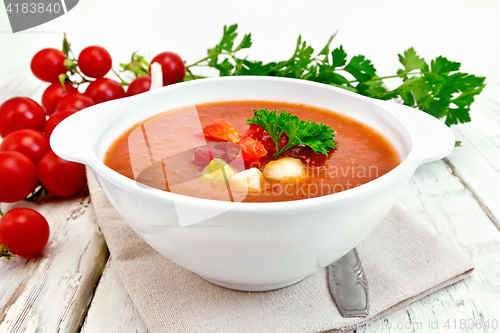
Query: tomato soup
172, 139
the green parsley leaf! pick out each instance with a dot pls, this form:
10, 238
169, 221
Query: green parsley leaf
228, 38
319, 137
438, 89
441, 65
361, 68
326, 50
224, 67
374, 89
245, 43
410, 61
339, 57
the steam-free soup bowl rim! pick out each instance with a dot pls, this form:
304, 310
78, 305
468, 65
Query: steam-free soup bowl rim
252, 246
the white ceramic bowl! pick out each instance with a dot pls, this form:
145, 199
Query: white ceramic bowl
253, 246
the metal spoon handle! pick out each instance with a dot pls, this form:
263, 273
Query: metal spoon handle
348, 285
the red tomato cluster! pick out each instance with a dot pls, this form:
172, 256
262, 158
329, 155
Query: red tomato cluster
25, 154
26, 159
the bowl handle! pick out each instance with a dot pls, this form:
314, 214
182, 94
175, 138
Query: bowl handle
431, 138
72, 138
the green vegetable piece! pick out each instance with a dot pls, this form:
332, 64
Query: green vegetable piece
217, 171
319, 137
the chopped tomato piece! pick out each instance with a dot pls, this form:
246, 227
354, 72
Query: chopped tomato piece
255, 132
257, 163
221, 130
258, 133
251, 149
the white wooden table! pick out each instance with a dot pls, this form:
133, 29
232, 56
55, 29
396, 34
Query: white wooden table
74, 286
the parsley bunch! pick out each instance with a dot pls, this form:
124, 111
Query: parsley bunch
438, 89
318, 137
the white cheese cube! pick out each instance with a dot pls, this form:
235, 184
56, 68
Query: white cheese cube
287, 169
249, 180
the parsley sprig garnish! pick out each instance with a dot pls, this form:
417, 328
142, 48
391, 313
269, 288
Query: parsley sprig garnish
318, 137
438, 89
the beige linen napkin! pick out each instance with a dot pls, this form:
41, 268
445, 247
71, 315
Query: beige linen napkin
403, 263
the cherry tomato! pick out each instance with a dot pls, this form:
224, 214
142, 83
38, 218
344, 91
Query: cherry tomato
47, 64
139, 85
55, 119
172, 67
103, 90
60, 177
53, 94
94, 61
29, 142
20, 113
221, 130
24, 231
251, 149
75, 101
18, 176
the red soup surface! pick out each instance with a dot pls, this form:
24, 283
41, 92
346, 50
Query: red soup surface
160, 152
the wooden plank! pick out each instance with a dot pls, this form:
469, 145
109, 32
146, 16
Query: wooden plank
477, 162
112, 308
51, 293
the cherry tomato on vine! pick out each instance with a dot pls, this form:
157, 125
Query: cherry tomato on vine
139, 85
55, 119
94, 61
29, 142
75, 101
20, 113
18, 176
24, 231
47, 64
60, 177
53, 94
172, 67
103, 90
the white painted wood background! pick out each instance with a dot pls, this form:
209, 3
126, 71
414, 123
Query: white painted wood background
67, 291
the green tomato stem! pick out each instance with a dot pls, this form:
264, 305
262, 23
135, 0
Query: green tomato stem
190, 73
123, 82
4, 252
